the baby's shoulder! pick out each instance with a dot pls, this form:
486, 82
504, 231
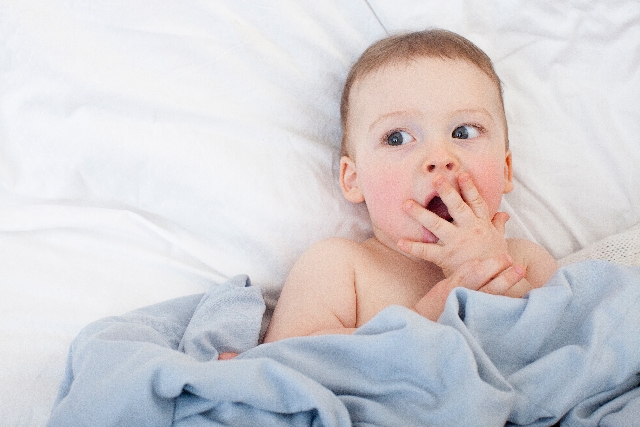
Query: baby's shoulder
334, 254
335, 247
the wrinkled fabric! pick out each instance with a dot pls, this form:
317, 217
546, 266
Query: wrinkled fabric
567, 352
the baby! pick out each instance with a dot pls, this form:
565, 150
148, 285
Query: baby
425, 147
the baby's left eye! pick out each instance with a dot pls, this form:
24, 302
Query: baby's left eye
465, 132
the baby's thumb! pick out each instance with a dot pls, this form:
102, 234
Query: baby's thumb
499, 220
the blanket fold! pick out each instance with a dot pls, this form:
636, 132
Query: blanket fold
567, 352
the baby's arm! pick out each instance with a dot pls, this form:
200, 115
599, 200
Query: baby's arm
537, 261
319, 295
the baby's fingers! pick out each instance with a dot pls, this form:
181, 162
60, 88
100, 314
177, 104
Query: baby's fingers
471, 275
477, 274
441, 228
472, 197
505, 281
455, 203
426, 251
500, 220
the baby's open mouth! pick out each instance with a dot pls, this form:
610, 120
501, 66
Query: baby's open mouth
437, 206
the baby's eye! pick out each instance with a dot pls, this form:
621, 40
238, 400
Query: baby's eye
465, 132
398, 137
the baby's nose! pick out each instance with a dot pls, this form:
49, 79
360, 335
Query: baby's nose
441, 160
435, 167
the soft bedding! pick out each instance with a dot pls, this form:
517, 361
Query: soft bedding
152, 149
567, 352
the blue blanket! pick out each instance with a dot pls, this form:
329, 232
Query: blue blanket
567, 352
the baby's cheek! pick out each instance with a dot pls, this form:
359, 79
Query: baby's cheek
489, 180
384, 191
384, 198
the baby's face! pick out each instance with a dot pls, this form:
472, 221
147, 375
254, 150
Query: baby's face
410, 122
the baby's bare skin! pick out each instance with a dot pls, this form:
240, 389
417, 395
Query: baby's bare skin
340, 284
425, 133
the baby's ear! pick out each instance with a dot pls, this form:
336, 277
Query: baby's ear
349, 180
508, 173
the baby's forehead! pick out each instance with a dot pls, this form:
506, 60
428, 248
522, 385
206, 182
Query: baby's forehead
400, 65
412, 72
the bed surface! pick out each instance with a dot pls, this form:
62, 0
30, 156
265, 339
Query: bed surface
150, 149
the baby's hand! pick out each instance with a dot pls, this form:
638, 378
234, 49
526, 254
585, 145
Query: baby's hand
493, 275
227, 356
473, 234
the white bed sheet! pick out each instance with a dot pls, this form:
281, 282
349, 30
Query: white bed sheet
151, 148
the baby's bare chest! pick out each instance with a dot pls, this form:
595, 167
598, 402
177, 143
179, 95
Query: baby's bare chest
378, 288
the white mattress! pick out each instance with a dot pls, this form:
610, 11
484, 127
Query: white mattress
149, 149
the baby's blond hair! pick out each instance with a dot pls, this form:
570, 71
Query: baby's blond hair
402, 48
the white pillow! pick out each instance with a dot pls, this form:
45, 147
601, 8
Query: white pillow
217, 121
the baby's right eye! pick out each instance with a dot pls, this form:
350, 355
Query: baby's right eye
397, 137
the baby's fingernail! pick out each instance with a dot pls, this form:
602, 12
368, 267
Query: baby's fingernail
464, 177
407, 205
438, 180
520, 270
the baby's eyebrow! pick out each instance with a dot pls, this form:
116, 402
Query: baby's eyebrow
481, 110
400, 113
